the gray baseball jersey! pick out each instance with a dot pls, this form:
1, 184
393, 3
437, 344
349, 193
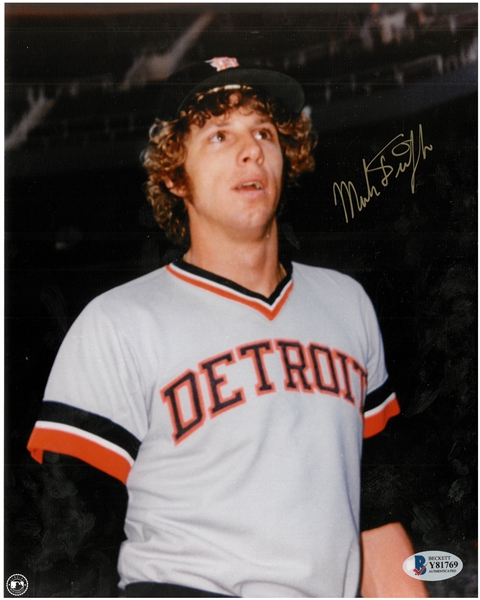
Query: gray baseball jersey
235, 421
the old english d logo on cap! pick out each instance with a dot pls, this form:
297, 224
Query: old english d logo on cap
223, 62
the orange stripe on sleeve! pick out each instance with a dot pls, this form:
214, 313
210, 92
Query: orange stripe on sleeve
375, 423
52, 440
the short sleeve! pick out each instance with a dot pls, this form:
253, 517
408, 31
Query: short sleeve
94, 404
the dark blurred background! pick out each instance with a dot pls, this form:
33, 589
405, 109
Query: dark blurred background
82, 87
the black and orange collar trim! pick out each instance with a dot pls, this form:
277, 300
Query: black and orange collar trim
268, 307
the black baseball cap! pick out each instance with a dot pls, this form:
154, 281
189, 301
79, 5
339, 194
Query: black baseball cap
226, 73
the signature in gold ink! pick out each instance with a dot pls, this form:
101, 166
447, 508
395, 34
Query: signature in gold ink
347, 193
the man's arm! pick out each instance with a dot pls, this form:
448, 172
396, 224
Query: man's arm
384, 551
82, 511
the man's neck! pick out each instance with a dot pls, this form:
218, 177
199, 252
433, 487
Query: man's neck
254, 264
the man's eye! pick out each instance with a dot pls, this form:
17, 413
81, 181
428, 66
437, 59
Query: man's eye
218, 137
264, 134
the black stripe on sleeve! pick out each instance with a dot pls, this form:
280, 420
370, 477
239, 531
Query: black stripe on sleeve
58, 412
378, 396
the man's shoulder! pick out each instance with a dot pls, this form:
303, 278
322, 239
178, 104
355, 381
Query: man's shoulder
323, 276
134, 294
338, 292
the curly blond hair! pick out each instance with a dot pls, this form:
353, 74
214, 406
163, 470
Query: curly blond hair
165, 155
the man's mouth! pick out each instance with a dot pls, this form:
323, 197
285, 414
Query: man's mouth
250, 185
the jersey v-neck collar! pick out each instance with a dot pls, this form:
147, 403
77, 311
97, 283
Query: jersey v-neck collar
269, 307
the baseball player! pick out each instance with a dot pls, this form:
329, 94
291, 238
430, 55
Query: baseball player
231, 391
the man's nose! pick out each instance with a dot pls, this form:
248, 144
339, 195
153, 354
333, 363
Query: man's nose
251, 149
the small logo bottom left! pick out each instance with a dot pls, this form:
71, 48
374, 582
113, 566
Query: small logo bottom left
17, 584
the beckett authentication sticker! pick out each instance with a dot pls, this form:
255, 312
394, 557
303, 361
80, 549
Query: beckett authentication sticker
434, 565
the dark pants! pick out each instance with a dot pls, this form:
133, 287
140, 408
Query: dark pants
165, 590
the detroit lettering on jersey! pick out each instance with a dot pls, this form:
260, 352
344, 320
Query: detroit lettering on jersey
311, 369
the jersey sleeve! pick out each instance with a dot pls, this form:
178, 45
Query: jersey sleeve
381, 402
94, 404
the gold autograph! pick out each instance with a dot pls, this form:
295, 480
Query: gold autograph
347, 191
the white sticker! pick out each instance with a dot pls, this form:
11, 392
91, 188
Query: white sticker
433, 565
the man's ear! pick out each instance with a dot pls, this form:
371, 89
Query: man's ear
177, 189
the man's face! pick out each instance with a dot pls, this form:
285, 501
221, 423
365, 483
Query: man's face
234, 170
